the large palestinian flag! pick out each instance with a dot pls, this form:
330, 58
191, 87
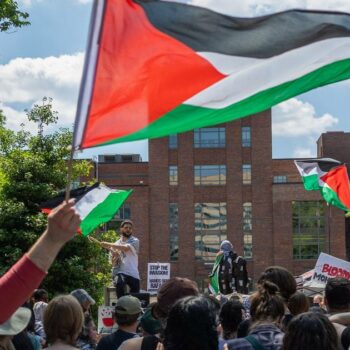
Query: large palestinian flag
155, 68
330, 177
95, 204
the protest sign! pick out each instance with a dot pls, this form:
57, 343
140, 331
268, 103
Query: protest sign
157, 274
105, 319
328, 266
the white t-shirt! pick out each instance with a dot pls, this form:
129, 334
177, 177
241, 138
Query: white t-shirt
130, 261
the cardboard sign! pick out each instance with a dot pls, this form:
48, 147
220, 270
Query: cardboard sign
328, 266
105, 319
157, 274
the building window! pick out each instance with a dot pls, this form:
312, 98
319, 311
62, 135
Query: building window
247, 230
123, 213
280, 179
210, 174
308, 229
174, 231
210, 229
173, 175
173, 141
247, 174
209, 138
246, 136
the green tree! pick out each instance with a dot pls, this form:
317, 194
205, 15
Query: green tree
33, 168
11, 17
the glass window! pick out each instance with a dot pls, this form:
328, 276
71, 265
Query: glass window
247, 217
173, 174
248, 246
247, 230
210, 174
247, 174
308, 222
173, 141
174, 231
246, 136
210, 229
209, 138
279, 179
123, 213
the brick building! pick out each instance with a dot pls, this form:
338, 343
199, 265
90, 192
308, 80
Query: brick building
217, 183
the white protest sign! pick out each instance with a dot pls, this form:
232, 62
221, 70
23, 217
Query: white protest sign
105, 319
157, 274
328, 266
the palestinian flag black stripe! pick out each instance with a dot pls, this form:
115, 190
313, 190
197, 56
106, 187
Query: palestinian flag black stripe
156, 68
262, 37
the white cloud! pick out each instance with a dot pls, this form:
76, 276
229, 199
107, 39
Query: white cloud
295, 118
15, 119
26, 81
303, 153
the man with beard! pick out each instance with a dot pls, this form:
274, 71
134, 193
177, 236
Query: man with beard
125, 260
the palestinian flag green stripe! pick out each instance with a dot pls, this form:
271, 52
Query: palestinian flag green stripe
187, 117
104, 211
332, 198
214, 276
311, 182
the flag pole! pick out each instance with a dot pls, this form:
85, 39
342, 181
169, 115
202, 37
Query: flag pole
69, 173
329, 211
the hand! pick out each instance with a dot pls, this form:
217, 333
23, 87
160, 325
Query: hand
160, 346
63, 223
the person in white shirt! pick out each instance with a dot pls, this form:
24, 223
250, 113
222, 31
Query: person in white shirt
125, 260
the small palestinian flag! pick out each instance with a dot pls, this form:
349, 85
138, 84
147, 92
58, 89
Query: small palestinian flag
155, 68
95, 204
330, 177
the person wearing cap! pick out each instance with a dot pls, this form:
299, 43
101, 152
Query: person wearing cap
126, 315
85, 300
125, 272
14, 325
168, 294
17, 285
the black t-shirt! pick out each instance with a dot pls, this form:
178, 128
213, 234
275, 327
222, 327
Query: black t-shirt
114, 340
345, 338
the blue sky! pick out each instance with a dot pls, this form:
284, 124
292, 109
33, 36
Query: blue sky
46, 58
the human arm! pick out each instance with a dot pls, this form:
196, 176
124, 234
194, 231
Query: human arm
19, 282
342, 318
116, 246
132, 245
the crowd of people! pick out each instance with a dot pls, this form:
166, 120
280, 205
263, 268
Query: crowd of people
274, 317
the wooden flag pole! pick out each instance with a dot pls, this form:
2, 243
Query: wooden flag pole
69, 173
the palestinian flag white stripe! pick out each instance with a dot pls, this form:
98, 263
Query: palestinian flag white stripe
99, 206
250, 76
93, 198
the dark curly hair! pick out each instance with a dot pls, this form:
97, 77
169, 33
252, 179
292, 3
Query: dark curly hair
191, 325
310, 331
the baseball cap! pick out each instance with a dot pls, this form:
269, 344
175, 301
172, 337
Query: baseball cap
170, 292
128, 305
82, 295
150, 324
17, 322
